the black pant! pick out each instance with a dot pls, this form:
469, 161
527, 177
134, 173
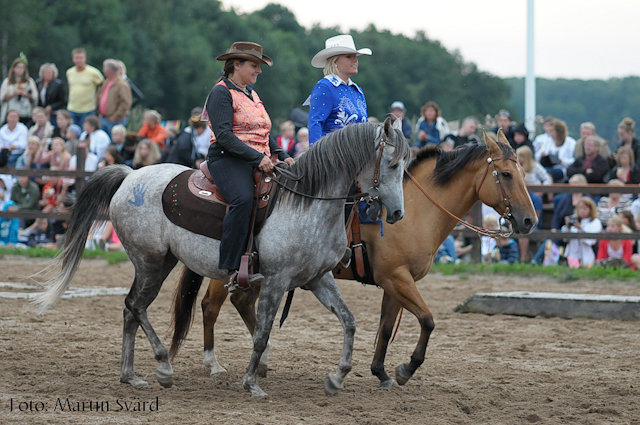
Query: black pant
234, 178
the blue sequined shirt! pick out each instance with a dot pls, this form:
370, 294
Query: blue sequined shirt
333, 105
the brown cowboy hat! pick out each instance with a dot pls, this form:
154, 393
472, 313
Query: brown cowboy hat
246, 50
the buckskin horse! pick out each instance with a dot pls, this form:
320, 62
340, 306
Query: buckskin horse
456, 180
372, 154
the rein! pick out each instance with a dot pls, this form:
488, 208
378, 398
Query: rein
480, 230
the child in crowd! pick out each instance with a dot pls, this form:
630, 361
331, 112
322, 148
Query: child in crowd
9, 227
39, 234
488, 247
303, 142
579, 252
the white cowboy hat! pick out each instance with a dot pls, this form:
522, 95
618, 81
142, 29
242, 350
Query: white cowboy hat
338, 45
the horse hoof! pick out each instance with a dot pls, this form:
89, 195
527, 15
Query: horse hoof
329, 387
218, 372
402, 377
387, 384
164, 379
135, 382
262, 370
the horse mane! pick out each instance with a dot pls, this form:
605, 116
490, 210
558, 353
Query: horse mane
341, 154
449, 163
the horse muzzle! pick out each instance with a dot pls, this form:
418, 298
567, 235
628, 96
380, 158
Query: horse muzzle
394, 216
523, 225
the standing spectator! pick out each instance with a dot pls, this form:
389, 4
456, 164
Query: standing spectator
147, 153
521, 138
152, 130
52, 95
398, 111
589, 129
63, 121
287, 138
580, 252
545, 137
42, 127
611, 205
504, 122
336, 101
18, 92
136, 94
627, 133
83, 81
113, 100
98, 139
25, 194
591, 164
556, 155
303, 142
466, 133
433, 129
626, 169
13, 139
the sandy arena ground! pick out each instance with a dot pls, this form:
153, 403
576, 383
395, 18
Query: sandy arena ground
479, 369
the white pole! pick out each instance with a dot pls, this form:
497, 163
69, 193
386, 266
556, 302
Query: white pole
530, 79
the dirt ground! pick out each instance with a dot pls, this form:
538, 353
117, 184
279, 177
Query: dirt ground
479, 369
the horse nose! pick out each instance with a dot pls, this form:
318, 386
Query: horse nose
394, 216
529, 223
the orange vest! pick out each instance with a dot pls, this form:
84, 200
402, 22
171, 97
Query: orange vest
251, 123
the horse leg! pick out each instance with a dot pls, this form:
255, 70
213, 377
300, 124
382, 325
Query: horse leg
267, 310
144, 290
403, 289
211, 304
388, 315
327, 293
245, 302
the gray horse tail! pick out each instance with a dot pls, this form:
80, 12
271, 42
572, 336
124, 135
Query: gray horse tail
92, 204
184, 298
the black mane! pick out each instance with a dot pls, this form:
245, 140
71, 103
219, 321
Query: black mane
449, 163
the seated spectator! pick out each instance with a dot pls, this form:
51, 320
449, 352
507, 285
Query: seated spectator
611, 205
111, 156
398, 111
91, 159
592, 165
42, 127
63, 122
556, 155
627, 133
73, 138
103, 237
287, 138
5, 190
615, 252
13, 139
432, 128
39, 234
28, 157
183, 149
579, 252
9, 227
589, 129
521, 138
147, 153
98, 138
544, 138
508, 250
303, 142
152, 130
504, 122
466, 133
488, 244
628, 221
55, 159
25, 194
54, 192
626, 170
447, 251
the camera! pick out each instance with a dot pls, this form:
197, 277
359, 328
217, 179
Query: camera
572, 220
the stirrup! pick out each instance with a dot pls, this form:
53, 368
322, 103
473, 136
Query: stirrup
254, 281
346, 258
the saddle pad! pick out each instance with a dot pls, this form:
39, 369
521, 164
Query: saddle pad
188, 211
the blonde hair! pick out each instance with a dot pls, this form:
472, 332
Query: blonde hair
51, 66
628, 125
304, 131
626, 150
286, 125
154, 115
33, 140
526, 155
490, 221
119, 129
154, 153
578, 179
331, 65
589, 202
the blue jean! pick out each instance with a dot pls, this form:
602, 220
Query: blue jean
447, 248
78, 117
108, 125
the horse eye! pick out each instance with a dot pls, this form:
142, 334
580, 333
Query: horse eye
507, 175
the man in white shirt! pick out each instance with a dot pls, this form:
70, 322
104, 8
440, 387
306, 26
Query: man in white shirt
98, 138
541, 139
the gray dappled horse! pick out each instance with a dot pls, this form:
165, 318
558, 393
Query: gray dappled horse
299, 244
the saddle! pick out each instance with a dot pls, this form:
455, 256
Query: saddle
359, 266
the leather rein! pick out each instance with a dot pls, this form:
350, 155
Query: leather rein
505, 199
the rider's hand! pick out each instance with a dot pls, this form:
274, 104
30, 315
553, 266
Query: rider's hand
289, 161
266, 165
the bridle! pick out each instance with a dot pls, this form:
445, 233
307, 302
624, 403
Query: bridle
505, 199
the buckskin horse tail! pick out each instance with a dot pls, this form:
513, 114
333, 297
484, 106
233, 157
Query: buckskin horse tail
183, 301
92, 204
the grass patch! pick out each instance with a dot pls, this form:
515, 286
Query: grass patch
112, 257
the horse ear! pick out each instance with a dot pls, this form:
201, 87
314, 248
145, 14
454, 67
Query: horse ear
397, 124
387, 126
501, 138
492, 146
